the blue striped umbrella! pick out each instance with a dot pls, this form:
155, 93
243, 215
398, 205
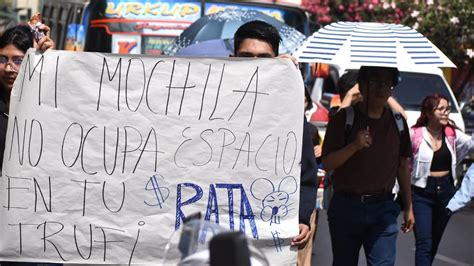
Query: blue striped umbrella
355, 44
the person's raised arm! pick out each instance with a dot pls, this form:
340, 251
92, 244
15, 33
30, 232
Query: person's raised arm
290, 57
352, 97
395, 106
46, 42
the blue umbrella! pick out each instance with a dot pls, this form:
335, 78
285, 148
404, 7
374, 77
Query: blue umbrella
212, 48
223, 25
355, 44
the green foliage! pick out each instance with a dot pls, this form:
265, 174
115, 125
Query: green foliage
449, 25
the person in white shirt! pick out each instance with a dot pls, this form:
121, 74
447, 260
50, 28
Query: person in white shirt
437, 146
465, 193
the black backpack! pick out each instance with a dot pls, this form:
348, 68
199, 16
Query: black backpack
397, 117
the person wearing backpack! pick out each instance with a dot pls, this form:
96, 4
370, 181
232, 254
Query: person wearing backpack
366, 163
349, 94
437, 146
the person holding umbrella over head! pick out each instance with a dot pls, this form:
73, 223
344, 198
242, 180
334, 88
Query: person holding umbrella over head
366, 163
438, 145
349, 94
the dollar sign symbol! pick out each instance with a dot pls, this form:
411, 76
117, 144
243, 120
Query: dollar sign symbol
161, 193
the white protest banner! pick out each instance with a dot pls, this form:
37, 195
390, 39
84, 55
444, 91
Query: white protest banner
107, 154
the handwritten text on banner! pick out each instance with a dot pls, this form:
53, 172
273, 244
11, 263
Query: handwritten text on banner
107, 154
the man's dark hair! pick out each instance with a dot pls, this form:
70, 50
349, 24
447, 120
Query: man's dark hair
19, 36
346, 82
367, 71
258, 30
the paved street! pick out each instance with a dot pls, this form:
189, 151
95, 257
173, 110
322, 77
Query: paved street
456, 247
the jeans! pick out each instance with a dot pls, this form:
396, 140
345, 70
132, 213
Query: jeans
353, 224
431, 217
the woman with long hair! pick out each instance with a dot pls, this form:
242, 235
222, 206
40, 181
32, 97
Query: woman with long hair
13, 46
438, 145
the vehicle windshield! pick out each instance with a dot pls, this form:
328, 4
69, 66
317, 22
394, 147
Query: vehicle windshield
414, 87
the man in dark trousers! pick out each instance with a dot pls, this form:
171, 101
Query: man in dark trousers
260, 39
366, 162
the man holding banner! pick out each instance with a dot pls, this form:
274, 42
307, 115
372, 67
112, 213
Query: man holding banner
107, 155
260, 39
